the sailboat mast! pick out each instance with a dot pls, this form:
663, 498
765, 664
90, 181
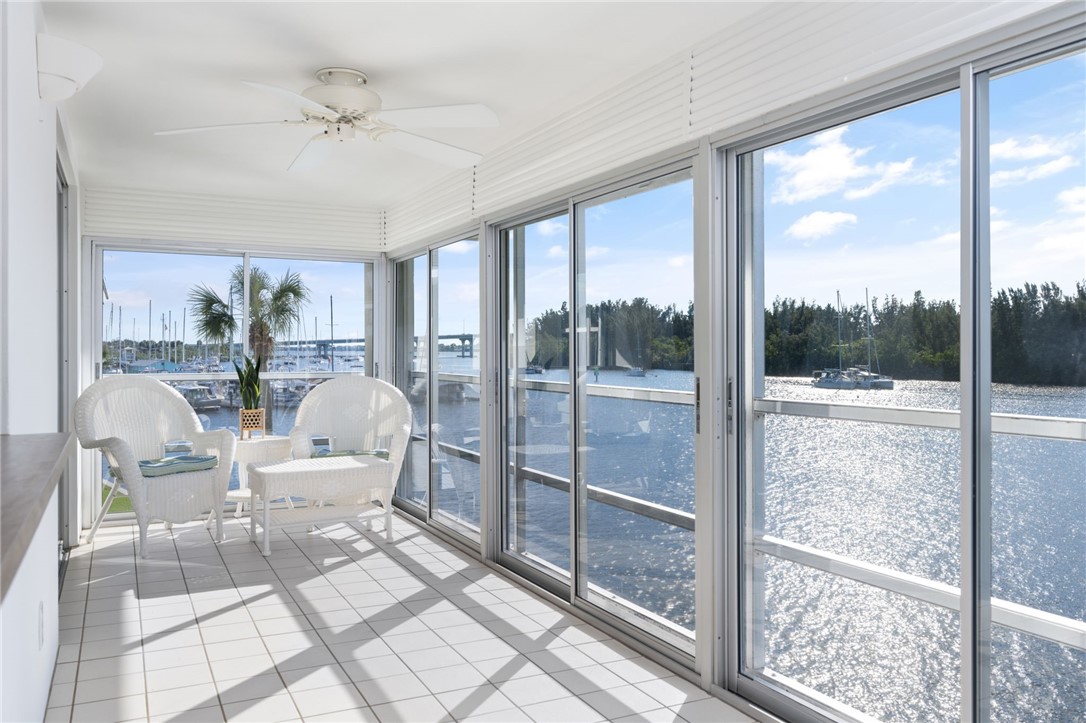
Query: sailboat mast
867, 306
840, 343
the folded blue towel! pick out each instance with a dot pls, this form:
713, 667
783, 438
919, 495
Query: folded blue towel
175, 465
382, 453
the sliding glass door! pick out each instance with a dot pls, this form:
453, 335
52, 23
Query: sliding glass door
437, 352
913, 438
851, 493
454, 449
536, 501
600, 390
1038, 390
635, 395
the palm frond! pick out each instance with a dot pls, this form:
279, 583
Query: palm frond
214, 321
275, 305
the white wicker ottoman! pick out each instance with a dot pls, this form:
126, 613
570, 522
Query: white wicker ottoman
336, 489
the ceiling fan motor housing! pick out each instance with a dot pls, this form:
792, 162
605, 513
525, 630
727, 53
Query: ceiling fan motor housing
341, 132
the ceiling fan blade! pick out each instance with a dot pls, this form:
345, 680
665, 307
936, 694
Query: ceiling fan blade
470, 115
429, 148
314, 154
201, 129
306, 104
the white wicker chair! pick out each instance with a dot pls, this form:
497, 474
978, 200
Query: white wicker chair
356, 413
130, 418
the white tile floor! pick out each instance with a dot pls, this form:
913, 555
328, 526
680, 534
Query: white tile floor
336, 625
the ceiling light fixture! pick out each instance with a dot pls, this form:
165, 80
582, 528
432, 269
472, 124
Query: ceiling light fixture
64, 67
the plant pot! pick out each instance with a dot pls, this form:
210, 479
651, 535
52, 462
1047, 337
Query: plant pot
251, 420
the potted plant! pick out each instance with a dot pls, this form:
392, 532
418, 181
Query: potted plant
251, 413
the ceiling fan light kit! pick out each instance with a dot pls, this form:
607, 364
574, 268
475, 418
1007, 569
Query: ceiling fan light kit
344, 105
344, 91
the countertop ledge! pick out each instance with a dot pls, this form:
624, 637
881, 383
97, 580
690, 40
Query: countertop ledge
30, 465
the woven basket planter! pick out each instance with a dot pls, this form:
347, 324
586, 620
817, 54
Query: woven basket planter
251, 420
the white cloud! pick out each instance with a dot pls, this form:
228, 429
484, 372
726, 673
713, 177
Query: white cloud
825, 168
1030, 149
831, 165
594, 252
890, 174
817, 273
1026, 174
819, 224
556, 252
460, 247
1073, 200
1051, 250
677, 262
551, 227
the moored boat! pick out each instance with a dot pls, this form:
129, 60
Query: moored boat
855, 377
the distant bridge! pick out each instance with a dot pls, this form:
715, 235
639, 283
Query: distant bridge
322, 347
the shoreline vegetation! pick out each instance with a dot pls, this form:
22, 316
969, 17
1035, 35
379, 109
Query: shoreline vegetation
1038, 336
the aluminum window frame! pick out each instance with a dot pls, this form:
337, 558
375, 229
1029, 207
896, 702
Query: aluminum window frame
978, 610
647, 176
537, 575
95, 246
585, 593
429, 250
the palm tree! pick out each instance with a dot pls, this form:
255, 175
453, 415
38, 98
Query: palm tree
275, 306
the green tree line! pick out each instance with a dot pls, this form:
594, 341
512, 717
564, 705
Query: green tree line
1038, 336
623, 334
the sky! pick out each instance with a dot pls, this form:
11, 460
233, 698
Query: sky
638, 245
134, 278
870, 205
876, 203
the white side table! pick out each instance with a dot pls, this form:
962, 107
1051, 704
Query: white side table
271, 448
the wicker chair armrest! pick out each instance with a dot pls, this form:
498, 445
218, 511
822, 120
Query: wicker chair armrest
398, 447
219, 442
301, 443
121, 453
216, 441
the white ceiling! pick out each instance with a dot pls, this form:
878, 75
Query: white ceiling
178, 64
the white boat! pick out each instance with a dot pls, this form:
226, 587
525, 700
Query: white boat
856, 377
867, 379
635, 372
833, 379
199, 398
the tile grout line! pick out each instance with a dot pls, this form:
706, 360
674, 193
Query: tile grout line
195, 620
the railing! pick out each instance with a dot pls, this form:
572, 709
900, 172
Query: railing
650, 510
1056, 628
1072, 430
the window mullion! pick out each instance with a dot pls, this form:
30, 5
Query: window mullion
245, 290
976, 453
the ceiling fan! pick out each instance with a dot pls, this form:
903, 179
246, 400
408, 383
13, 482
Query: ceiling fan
342, 107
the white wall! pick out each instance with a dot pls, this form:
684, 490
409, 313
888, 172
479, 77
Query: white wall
29, 627
29, 348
